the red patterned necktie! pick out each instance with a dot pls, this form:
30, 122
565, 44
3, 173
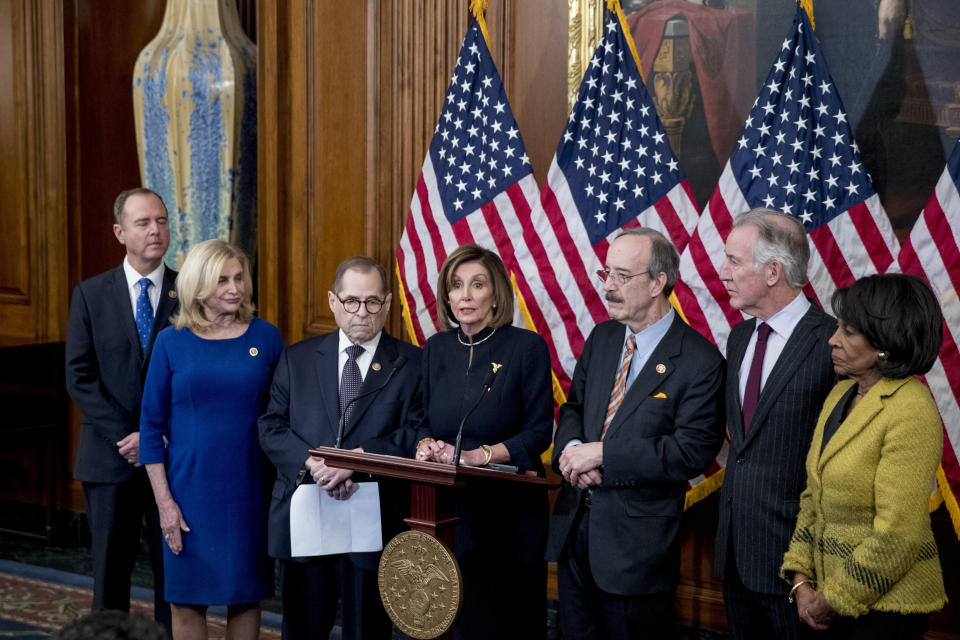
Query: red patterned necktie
620, 386
752, 393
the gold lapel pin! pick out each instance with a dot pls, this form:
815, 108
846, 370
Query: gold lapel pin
661, 368
172, 293
375, 366
496, 367
254, 352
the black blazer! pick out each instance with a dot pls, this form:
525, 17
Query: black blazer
304, 412
105, 369
760, 496
668, 430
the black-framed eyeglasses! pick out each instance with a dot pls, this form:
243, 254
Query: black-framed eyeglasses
352, 305
616, 277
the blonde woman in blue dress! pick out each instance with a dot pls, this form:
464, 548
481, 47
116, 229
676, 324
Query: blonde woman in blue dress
206, 386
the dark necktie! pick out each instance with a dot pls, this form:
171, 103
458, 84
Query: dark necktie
752, 393
144, 314
350, 381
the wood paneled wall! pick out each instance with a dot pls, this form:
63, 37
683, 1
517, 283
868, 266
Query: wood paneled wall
349, 96
33, 228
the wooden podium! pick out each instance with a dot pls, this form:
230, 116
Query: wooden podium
433, 487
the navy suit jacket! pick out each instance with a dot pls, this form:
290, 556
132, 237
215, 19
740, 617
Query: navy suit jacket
105, 369
765, 474
304, 412
668, 429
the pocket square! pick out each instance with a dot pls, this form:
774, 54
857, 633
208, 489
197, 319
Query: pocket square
660, 395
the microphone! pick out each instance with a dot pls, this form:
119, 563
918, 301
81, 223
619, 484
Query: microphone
396, 364
485, 387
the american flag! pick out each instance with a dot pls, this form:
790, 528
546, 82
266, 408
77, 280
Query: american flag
613, 168
476, 185
796, 154
932, 253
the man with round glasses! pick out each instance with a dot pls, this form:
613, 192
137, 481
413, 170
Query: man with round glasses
367, 380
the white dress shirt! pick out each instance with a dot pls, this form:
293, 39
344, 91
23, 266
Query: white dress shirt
133, 285
782, 324
363, 360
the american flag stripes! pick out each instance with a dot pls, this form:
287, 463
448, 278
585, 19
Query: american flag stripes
932, 253
476, 185
613, 168
796, 154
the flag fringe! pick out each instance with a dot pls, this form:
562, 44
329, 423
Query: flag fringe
949, 499
405, 310
614, 6
478, 8
704, 489
808, 7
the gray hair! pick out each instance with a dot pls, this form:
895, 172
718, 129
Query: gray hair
780, 238
663, 256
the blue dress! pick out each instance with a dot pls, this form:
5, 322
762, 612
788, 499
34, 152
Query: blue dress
205, 396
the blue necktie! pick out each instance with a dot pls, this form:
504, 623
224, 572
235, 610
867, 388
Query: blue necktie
144, 313
350, 380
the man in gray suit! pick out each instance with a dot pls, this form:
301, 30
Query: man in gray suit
778, 373
644, 415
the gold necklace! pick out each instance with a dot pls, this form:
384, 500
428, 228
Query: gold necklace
473, 344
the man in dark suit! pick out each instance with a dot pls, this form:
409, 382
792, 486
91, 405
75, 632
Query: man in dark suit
778, 374
315, 382
643, 416
114, 318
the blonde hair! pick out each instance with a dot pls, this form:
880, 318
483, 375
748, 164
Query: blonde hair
198, 280
502, 290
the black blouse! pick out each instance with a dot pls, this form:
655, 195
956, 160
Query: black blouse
518, 409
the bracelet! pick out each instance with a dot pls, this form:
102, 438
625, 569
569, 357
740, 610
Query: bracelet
487, 454
793, 592
422, 440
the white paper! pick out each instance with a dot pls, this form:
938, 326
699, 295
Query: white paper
321, 525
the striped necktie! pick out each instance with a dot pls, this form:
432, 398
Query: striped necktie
620, 386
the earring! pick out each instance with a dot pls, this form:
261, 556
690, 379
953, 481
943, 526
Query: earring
494, 307
881, 355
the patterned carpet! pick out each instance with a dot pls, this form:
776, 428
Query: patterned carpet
31, 607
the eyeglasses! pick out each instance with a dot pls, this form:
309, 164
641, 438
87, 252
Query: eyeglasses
352, 305
617, 278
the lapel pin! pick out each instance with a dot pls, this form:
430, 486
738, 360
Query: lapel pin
172, 293
254, 351
661, 368
496, 367
375, 366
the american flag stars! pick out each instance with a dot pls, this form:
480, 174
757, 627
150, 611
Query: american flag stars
796, 153
614, 152
477, 151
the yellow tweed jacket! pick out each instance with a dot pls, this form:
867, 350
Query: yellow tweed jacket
863, 532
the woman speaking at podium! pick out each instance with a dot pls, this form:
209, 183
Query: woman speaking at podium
493, 378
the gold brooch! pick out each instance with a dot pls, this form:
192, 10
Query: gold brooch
496, 367
254, 351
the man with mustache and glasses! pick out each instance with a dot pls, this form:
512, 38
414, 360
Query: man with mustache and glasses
644, 415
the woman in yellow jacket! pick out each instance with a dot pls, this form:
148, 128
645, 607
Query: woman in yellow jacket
862, 560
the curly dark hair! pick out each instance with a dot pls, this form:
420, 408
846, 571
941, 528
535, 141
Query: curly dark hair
899, 315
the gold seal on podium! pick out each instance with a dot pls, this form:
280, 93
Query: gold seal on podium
420, 584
